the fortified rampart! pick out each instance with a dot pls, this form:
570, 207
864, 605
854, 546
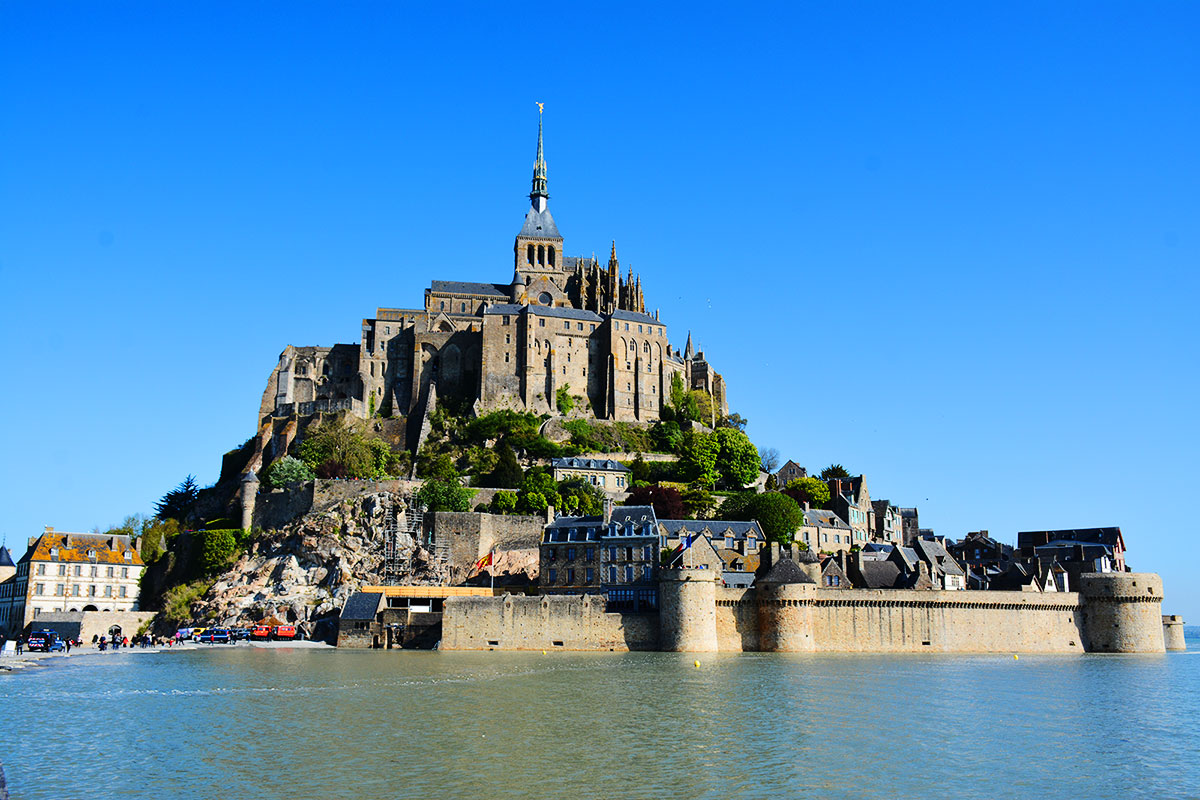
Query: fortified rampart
1173, 632
1112, 613
543, 623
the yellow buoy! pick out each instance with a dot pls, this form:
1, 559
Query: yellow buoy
543, 652
1015, 656
697, 663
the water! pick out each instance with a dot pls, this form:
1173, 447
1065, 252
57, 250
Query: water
296, 723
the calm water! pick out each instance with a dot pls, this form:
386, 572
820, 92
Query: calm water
252, 723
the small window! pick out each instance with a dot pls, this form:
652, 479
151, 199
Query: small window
122, 591
504, 319
462, 308
589, 575
567, 326
580, 326
612, 574
626, 326
443, 306
629, 573
639, 328
550, 554
589, 554
541, 323
553, 576
570, 576
570, 554
506, 358
508, 338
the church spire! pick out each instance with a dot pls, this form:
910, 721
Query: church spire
538, 196
688, 352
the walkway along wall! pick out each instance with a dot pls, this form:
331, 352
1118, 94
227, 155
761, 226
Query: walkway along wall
1112, 613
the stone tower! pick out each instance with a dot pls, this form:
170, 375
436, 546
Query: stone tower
538, 248
1122, 612
249, 495
785, 602
687, 610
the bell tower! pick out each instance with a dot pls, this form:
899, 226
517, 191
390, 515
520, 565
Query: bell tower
538, 249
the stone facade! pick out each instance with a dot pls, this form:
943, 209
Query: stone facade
71, 572
560, 323
83, 625
1113, 613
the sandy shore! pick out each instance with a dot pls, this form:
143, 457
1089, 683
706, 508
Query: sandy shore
93, 656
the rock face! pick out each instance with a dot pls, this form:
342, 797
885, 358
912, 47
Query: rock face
305, 571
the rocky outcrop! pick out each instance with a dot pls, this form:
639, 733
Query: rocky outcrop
304, 571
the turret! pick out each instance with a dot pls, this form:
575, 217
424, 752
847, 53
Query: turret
1122, 612
687, 610
249, 495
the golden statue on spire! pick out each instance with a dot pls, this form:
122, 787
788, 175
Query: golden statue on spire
540, 106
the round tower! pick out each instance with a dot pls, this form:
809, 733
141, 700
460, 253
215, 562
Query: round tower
785, 602
249, 494
687, 610
1122, 612
1173, 632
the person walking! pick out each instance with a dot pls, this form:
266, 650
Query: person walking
20, 644
68, 645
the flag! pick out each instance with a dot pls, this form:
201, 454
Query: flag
486, 561
685, 542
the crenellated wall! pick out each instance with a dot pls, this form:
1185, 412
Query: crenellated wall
1113, 613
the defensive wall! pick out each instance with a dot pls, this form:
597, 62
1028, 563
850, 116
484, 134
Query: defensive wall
83, 625
1112, 613
549, 622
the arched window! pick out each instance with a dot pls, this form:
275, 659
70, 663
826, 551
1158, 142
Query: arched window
541, 254
645, 347
551, 254
462, 308
529, 256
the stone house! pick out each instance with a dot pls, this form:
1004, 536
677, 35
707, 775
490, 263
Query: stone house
910, 525
616, 555
789, 472
979, 551
850, 500
888, 524
610, 476
946, 573
824, 532
1110, 538
738, 544
833, 575
359, 624
72, 572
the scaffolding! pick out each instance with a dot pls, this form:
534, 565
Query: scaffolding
407, 523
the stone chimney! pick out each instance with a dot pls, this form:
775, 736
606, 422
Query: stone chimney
608, 508
549, 514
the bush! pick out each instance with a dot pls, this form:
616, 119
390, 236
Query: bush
285, 472
439, 495
504, 503
177, 602
813, 491
332, 449
563, 400
218, 549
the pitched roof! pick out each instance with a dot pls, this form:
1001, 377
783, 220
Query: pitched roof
821, 518
539, 225
564, 312
362, 605
785, 570
881, 575
6, 557
469, 287
1108, 536
590, 463
634, 316
673, 528
81, 543
634, 514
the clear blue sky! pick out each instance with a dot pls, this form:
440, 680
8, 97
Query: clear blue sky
951, 246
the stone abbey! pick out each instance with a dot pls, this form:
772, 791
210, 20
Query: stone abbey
561, 322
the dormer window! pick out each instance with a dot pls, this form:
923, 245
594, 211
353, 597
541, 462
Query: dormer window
129, 555
91, 554
54, 553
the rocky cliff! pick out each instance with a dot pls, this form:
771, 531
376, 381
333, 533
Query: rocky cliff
304, 571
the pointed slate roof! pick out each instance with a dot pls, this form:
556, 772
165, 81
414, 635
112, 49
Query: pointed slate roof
785, 571
6, 557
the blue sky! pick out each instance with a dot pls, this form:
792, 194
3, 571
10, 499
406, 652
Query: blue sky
951, 247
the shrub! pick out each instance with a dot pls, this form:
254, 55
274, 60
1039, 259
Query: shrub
218, 548
563, 400
440, 495
285, 472
777, 514
813, 491
504, 503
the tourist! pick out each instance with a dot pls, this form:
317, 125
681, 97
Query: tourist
20, 644
68, 645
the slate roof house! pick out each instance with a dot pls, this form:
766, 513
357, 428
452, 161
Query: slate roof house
616, 554
1029, 541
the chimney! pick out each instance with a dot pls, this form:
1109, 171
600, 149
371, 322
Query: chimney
549, 514
48, 529
608, 507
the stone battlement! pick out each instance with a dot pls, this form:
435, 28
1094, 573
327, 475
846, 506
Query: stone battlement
1113, 613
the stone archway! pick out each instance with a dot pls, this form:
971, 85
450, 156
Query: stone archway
90, 607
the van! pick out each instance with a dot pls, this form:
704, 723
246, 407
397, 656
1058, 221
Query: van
260, 633
284, 633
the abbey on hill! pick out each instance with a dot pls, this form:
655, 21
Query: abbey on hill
562, 321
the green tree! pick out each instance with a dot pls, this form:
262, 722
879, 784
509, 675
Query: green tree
440, 495
333, 449
778, 515
580, 497
538, 490
508, 473
813, 491
834, 471
285, 472
678, 393
666, 436
177, 504
703, 404
504, 503
639, 470
563, 400
734, 421
737, 460
437, 466
218, 548
698, 502
698, 458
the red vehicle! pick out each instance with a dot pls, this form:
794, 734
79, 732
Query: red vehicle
260, 633
285, 633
